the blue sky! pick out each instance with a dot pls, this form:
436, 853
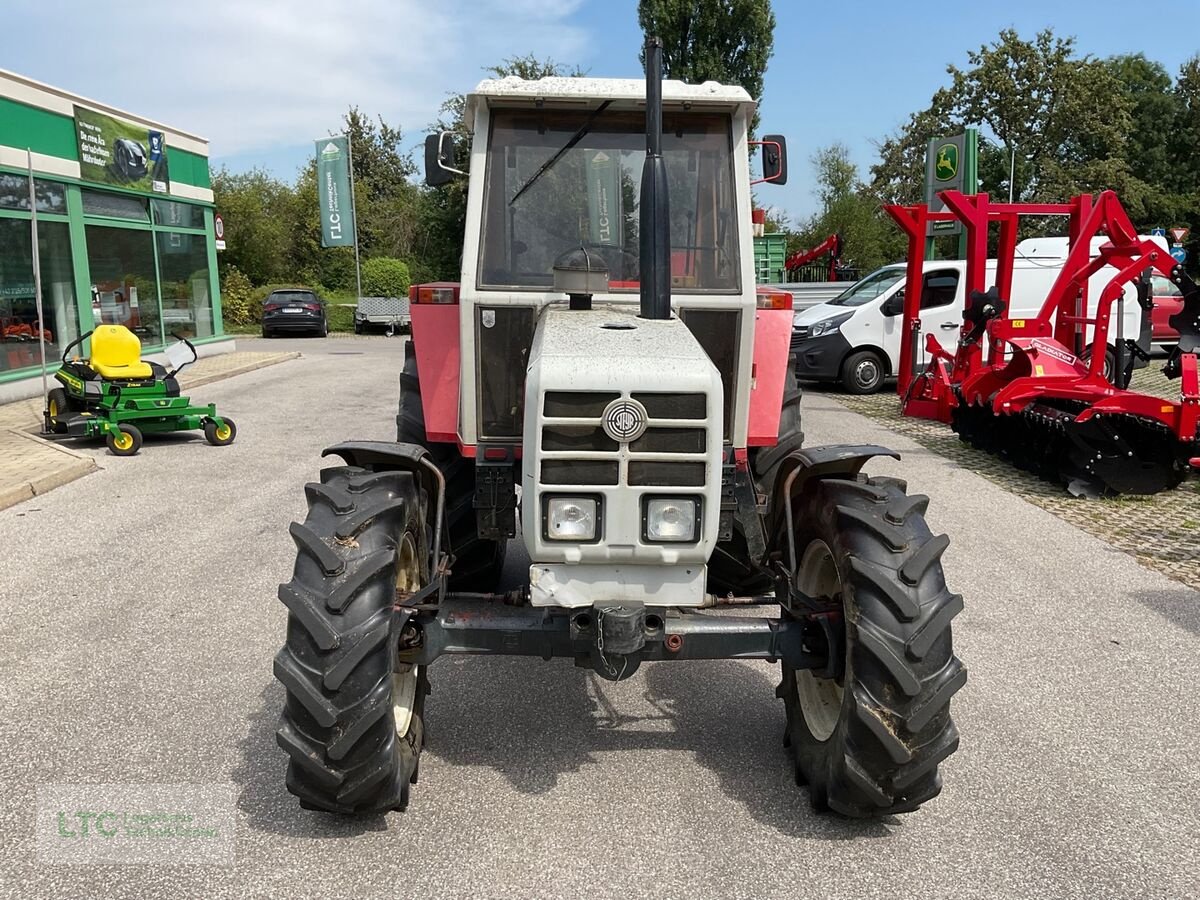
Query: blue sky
262, 78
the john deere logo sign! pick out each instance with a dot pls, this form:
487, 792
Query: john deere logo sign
946, 163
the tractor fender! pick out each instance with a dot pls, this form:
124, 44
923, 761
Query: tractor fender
382, 456
839, 460
815, 463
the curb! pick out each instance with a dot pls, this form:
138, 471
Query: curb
202, 380
75, 465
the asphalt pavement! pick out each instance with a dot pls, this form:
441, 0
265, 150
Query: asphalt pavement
141, 620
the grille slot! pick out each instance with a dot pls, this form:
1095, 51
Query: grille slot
674, 406
580, 471
666, 474
582, 438
669, 440
576, 404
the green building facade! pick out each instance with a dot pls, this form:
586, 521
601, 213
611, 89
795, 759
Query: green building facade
125, 226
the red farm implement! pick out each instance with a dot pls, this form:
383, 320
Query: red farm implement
1034, 390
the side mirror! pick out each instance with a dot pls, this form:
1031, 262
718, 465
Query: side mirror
774, 158
893, 305
439, 159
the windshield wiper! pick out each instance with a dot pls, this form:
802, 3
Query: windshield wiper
575, 139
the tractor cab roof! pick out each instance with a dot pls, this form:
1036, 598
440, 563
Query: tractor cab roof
587, 93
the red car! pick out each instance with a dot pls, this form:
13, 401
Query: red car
1167, 302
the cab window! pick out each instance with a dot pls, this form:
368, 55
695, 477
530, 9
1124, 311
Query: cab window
939, 289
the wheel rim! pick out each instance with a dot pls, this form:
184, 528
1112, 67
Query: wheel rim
404, 679
223, 432
866, 373
122, 440
53, 409
820, 698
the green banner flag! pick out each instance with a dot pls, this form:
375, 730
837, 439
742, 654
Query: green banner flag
333, 192
604, 198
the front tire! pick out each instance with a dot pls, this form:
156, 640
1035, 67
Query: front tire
868, 741
125, 441
863, 372
353, 722
220, 435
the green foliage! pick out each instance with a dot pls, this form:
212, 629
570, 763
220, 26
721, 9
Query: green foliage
1070, 123
236, 289
385, 277
848, 207
260, 214
729, 41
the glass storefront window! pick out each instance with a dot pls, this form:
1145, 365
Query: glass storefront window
114, 206
124, 286
14, 194
186, 295
174, 214
19, 324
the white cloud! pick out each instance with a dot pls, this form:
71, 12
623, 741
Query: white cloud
255, 74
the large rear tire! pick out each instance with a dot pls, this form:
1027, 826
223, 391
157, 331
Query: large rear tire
477, 562
868, 742
730, 569
353, 721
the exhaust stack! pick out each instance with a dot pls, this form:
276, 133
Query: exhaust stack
654, 216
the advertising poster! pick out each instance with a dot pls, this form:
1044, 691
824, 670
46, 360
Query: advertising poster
120, 153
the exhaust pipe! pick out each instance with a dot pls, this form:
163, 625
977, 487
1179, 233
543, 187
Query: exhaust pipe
654, 216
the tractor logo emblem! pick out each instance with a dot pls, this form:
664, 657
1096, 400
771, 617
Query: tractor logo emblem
945, 166
624, 420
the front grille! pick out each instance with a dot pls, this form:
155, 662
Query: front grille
671, 452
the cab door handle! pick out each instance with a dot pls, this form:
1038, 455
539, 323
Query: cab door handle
948, 325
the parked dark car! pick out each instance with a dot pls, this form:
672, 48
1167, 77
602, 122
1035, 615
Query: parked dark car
294, 311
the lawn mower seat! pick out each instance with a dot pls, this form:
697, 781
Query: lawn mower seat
117, 354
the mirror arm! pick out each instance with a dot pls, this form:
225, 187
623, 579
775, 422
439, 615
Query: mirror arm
442, 165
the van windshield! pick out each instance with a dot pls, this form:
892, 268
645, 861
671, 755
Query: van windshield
869, 288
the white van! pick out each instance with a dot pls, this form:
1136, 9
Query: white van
855, 337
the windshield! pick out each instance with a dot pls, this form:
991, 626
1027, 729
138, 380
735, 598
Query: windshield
869, 288
589, 196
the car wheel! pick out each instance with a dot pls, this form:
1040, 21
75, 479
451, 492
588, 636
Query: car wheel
863, 372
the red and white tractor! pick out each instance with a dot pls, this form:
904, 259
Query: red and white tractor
606, 373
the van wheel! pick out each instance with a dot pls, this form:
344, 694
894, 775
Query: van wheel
863, 372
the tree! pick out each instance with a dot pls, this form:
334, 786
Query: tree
848, 208
1065, 117
730, 41
258, 210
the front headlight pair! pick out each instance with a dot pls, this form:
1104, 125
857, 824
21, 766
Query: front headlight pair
664, 519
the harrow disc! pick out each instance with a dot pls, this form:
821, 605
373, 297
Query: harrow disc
1126, 454
1104, 456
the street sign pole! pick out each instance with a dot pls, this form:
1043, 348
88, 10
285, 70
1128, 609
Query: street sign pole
354, 215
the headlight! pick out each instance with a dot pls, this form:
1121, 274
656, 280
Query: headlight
571, 518
671, 519
830, 325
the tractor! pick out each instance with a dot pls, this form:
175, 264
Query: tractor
606, 383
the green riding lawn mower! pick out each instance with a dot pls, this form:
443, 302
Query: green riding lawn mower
116, 395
